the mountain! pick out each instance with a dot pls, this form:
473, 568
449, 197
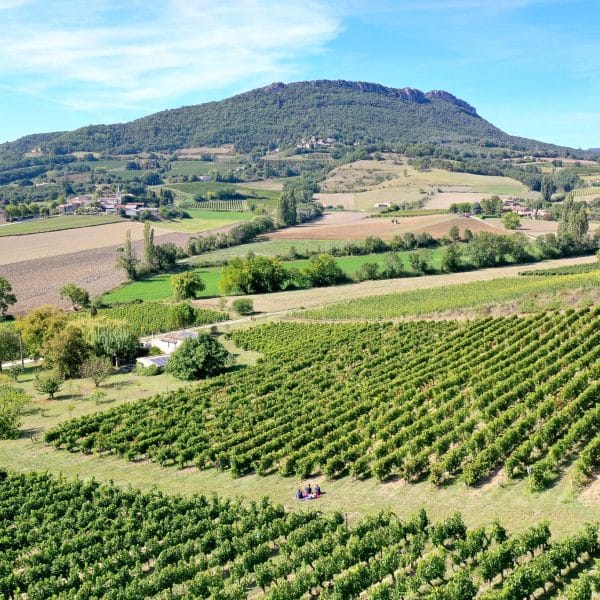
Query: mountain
280, 115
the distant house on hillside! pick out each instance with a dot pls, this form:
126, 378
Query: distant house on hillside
70, 207
168, 343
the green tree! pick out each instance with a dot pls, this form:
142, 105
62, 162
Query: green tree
66, 351
48, 382
78, 296
40, 325
7, 298
451, 258
511, 220
254, 275
197, 358
454, 233
548, 188
126, 258
322, 270
110, 338
420, 261
150, 257
12, 402
97, 368
9, 345
186, 285
286, 208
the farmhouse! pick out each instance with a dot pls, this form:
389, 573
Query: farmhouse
168, 343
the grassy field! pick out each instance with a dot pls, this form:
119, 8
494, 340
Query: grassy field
394, 180
159, 286
201, 167
459, 297
265, 247
57, 224
203, 220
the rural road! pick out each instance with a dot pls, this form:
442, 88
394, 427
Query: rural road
297, 299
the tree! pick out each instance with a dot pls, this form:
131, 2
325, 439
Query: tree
150, 257
420, 261
243, 306
286, 208
40, 325
166, 256
511, 220
9, 345
66, 351
197, 358
548, 188
491, 206
12, 402
454, 233
186, 285
451, 258
573, 226
254, 275
126, 258
6, 296
322, 270
78, 296
97, 368
109, 337
48, 382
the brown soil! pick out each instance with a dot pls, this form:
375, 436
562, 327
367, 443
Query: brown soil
356, 226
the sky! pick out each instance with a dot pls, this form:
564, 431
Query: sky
531, 67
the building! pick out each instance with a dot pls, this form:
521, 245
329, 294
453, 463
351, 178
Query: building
168, 343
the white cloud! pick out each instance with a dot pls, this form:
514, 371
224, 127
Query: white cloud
140, 55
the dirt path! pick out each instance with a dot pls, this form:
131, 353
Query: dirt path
297, 299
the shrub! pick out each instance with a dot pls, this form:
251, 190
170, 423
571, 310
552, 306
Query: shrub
48, 382
12, 402
243, 306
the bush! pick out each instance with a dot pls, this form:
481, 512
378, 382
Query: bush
243, 306
12, 402
48, 382
97, 368
197, 358
150, 371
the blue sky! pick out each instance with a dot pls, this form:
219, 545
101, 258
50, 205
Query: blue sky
531, 67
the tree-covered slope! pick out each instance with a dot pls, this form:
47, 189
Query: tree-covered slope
281, 115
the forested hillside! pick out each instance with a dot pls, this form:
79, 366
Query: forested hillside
280, 115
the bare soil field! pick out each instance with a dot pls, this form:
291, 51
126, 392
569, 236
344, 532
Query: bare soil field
356, 226
536, 228
281, 302
55, 243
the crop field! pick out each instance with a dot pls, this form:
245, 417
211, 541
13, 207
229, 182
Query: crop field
362, 184
201, 167
437, 400
98, 537
586, 192
454, 297
159, 287
203, 220
56, 224
203, 187
356, 226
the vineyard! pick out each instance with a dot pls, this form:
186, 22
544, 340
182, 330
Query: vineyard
220, 205
85, 540
146, 318
586, 191
454, 297
415, 400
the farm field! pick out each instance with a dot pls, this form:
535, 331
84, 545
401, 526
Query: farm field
382, 401
56, 243
356, 226
319, 297
363, 183
189, 190
196, 552
159, 287
203, 220
535, 228
56, 224
457, 297
264, 247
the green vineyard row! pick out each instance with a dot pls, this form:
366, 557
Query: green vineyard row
437, 400
82, 540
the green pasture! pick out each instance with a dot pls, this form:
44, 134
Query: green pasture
158, 287
203, 220
56, 224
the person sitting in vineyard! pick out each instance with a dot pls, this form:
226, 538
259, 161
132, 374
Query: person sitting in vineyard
299, 495
308, 490
317, 490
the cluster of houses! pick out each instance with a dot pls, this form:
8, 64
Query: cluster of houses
167, 344
525, 211
315, 142
112, 204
